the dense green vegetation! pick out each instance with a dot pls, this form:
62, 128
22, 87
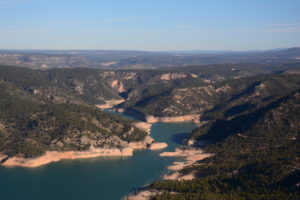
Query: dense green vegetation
193, 96
256, 156
87, 84
250, 116
30, 125
77, 86
145, 90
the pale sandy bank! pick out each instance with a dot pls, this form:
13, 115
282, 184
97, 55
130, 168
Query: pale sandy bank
142, 195
144, 126
152, 119
54, 156
110, 104
142, 144
191, 156
158, 145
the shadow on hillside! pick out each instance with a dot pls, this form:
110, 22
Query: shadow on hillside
179, 137
222, 129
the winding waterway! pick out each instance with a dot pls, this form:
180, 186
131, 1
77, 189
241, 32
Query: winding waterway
103, 178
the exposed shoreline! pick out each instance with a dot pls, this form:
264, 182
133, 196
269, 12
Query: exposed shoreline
151, 119
110, 104
191, 156
173, 119
144, 126
54, 156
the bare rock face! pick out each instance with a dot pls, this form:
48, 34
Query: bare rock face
172, 76
116, 84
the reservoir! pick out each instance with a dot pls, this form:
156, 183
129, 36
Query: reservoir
102, 178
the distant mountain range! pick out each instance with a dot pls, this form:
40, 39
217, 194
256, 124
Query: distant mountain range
117, 59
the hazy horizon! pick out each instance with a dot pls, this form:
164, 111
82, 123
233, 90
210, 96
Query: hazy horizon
165, 25
176, 50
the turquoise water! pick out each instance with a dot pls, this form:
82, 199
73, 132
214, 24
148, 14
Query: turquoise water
104, 178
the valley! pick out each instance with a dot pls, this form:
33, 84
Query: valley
244, 114
149, 100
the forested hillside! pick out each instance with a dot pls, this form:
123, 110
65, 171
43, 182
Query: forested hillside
256, 156
139, 87
32, 123
216, 92
249, 116
76, 86
193, 96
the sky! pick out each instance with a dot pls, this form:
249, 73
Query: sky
152, 25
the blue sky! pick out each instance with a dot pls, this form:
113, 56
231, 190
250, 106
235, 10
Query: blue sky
149, 24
